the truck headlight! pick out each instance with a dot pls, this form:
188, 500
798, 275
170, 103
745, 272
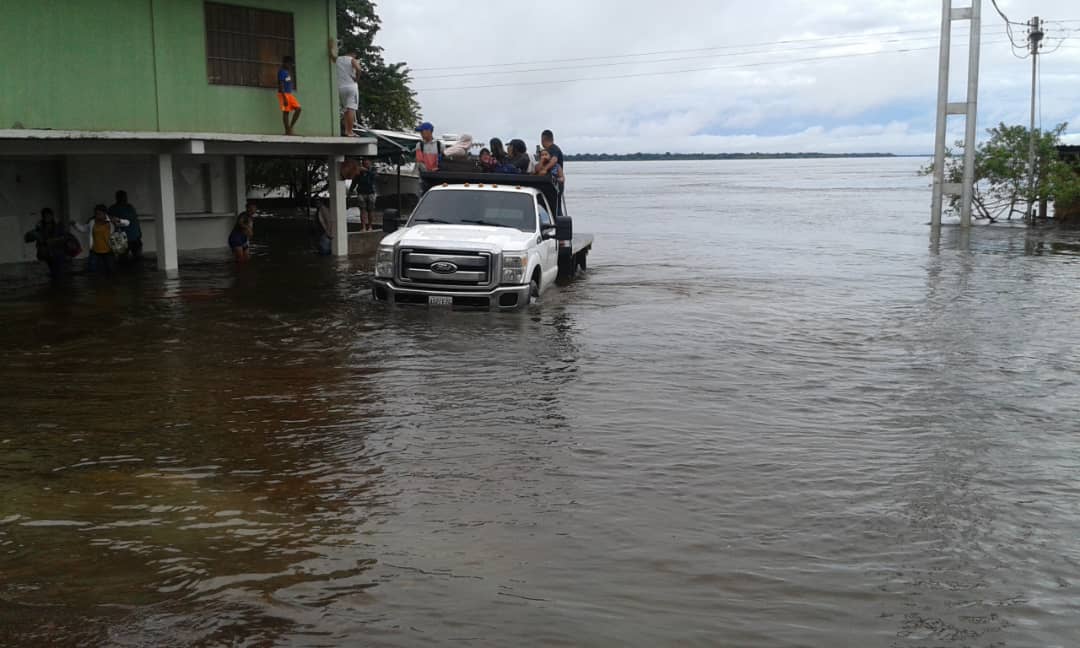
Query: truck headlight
384, 263
513, 267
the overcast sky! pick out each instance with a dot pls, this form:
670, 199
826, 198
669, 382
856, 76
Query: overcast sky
732, 86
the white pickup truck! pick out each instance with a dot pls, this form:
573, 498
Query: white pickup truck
484, 241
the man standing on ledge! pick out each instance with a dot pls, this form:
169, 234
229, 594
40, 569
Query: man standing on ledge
348, 75
428, 150
286, 98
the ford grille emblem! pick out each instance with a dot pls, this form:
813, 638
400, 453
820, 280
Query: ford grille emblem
443, 267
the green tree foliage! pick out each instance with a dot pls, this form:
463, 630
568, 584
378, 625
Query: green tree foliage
1002, 185
304, 179
386, 100
1065, 179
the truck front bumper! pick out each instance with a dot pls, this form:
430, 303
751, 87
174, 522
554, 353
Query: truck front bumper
499, 298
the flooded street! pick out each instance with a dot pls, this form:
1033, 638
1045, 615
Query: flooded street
775, 413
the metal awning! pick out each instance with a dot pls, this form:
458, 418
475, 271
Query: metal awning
35, 142
391, 144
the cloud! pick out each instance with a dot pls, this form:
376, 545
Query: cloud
778, 75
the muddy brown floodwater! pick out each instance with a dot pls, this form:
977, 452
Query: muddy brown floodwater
775, 413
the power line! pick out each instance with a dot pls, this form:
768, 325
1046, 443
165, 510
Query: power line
1012, 38
675, 51
1002, 14
862, 35
685, 71
681, 58
1061, 39
1008, 29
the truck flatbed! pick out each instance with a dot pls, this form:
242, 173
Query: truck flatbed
580, 246
582, 243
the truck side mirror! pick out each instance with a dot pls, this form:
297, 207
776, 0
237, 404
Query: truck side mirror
547, 233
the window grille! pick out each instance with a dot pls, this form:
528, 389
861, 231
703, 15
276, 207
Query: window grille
244, 46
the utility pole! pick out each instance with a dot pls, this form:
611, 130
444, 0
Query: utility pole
968, 108
1035, 37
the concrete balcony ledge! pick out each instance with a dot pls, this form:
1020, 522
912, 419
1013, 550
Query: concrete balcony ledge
30, 141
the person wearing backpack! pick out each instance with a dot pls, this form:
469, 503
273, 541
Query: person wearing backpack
104, 243
428, 150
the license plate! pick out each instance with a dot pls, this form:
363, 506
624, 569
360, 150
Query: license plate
438, 300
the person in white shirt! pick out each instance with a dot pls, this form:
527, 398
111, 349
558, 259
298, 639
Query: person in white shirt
348, 74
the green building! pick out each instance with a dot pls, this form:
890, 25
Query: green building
161, 98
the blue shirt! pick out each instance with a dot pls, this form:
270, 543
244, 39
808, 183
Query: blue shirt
285, 78
238, 238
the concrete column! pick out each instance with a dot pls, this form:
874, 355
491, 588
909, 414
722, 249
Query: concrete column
240, 180
167, 256
337, 205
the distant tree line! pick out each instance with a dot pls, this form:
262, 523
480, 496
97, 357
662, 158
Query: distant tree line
655, 157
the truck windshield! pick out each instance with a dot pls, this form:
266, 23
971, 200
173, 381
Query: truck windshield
494, 208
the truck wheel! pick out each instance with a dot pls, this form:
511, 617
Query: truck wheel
567, 266
534, 292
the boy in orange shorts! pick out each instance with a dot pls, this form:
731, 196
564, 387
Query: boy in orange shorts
286, 98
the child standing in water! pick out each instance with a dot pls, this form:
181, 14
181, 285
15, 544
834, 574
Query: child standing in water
240, 237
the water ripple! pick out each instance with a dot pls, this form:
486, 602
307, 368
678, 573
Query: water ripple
798, 421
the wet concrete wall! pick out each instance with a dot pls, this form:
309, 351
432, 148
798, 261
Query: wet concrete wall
26, 186
204, 189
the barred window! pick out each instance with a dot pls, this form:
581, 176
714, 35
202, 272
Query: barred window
244, 46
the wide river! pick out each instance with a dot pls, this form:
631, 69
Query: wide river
776, 412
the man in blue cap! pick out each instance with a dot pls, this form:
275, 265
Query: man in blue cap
429, 150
